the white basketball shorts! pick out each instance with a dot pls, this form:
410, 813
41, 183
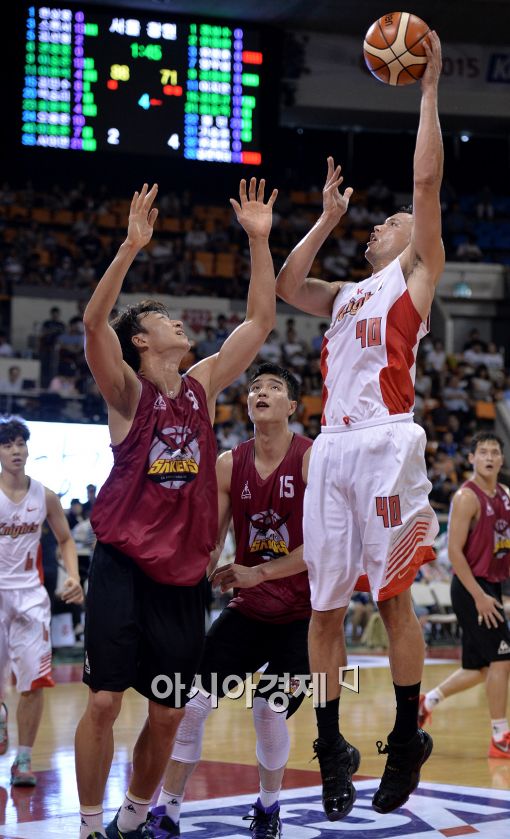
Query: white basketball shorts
25, 642
366, 511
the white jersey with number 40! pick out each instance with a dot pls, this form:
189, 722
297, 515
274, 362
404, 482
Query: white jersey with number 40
368, 358
20, 532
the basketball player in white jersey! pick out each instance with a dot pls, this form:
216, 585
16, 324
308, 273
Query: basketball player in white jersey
366, 507
25, 644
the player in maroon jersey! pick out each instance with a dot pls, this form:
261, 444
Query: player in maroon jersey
479, 550
156, 516
261, 487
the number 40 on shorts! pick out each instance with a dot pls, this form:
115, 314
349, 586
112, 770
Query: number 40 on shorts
389, 509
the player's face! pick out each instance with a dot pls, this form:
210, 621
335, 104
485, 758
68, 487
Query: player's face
487, 459
268, 400
162, 333
389, 240
13, 455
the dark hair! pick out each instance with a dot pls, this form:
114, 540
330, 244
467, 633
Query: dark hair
406, 208
483, 437
11, 428
269, 369
128, 323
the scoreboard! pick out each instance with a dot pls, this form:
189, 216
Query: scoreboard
97, 81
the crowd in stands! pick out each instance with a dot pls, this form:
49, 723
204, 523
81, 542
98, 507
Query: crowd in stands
64, 239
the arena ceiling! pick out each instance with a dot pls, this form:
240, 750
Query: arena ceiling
481, 21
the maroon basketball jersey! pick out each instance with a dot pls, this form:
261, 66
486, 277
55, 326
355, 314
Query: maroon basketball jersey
487, 548
268, 524
159, 504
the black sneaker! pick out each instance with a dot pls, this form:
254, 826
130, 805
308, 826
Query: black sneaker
402, 771
338, 763
265, 824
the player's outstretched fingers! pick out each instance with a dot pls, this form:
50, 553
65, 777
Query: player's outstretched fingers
252, 189
242, 191
272, 198
260, 190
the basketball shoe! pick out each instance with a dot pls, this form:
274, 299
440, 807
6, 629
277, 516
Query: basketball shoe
338, 763
500, 748
21, 772
4, 732
161, 825
402, 771
424, 716
141, 832
265, 824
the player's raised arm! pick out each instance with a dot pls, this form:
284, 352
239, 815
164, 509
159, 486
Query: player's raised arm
426, 252
293, 283
115, 379
240, 348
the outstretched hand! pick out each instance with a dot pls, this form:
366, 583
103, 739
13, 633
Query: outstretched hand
333, 202
432, 47
142, 217
252, 214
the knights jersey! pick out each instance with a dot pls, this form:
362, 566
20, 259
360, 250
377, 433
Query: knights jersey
369, 351
159, 504
268, 524
20, 532
487, 547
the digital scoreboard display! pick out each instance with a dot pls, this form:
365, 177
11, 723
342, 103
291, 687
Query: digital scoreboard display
98, 81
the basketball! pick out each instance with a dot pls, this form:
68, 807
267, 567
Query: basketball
393, 48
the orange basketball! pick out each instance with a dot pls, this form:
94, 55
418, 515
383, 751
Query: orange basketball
393, 48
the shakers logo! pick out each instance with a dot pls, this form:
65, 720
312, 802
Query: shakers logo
174, 457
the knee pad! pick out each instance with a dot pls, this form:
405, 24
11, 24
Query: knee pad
273, 739
188, 740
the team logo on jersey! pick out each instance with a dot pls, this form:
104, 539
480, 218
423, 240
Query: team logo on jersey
503, 648
246, 494
489, 509
501, 539
15, 530
353, 306
174, 457
268, 537
160, 404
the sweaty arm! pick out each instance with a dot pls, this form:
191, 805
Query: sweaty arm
293, 283
240, 576
72, 591
423, 261
464, 514
115, 379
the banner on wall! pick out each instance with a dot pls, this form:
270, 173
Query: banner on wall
475, 80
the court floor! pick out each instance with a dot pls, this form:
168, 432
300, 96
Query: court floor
462, 791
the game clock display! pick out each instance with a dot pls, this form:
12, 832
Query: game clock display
95, 81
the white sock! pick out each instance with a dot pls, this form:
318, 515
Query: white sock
133, 813
499, 728
433, 698
25, 750
91, 819
267, 798
172, 802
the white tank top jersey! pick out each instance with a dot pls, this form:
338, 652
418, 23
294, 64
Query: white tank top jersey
20, 533
368, 358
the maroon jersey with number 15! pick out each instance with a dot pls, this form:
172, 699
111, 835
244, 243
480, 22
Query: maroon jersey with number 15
268, 525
